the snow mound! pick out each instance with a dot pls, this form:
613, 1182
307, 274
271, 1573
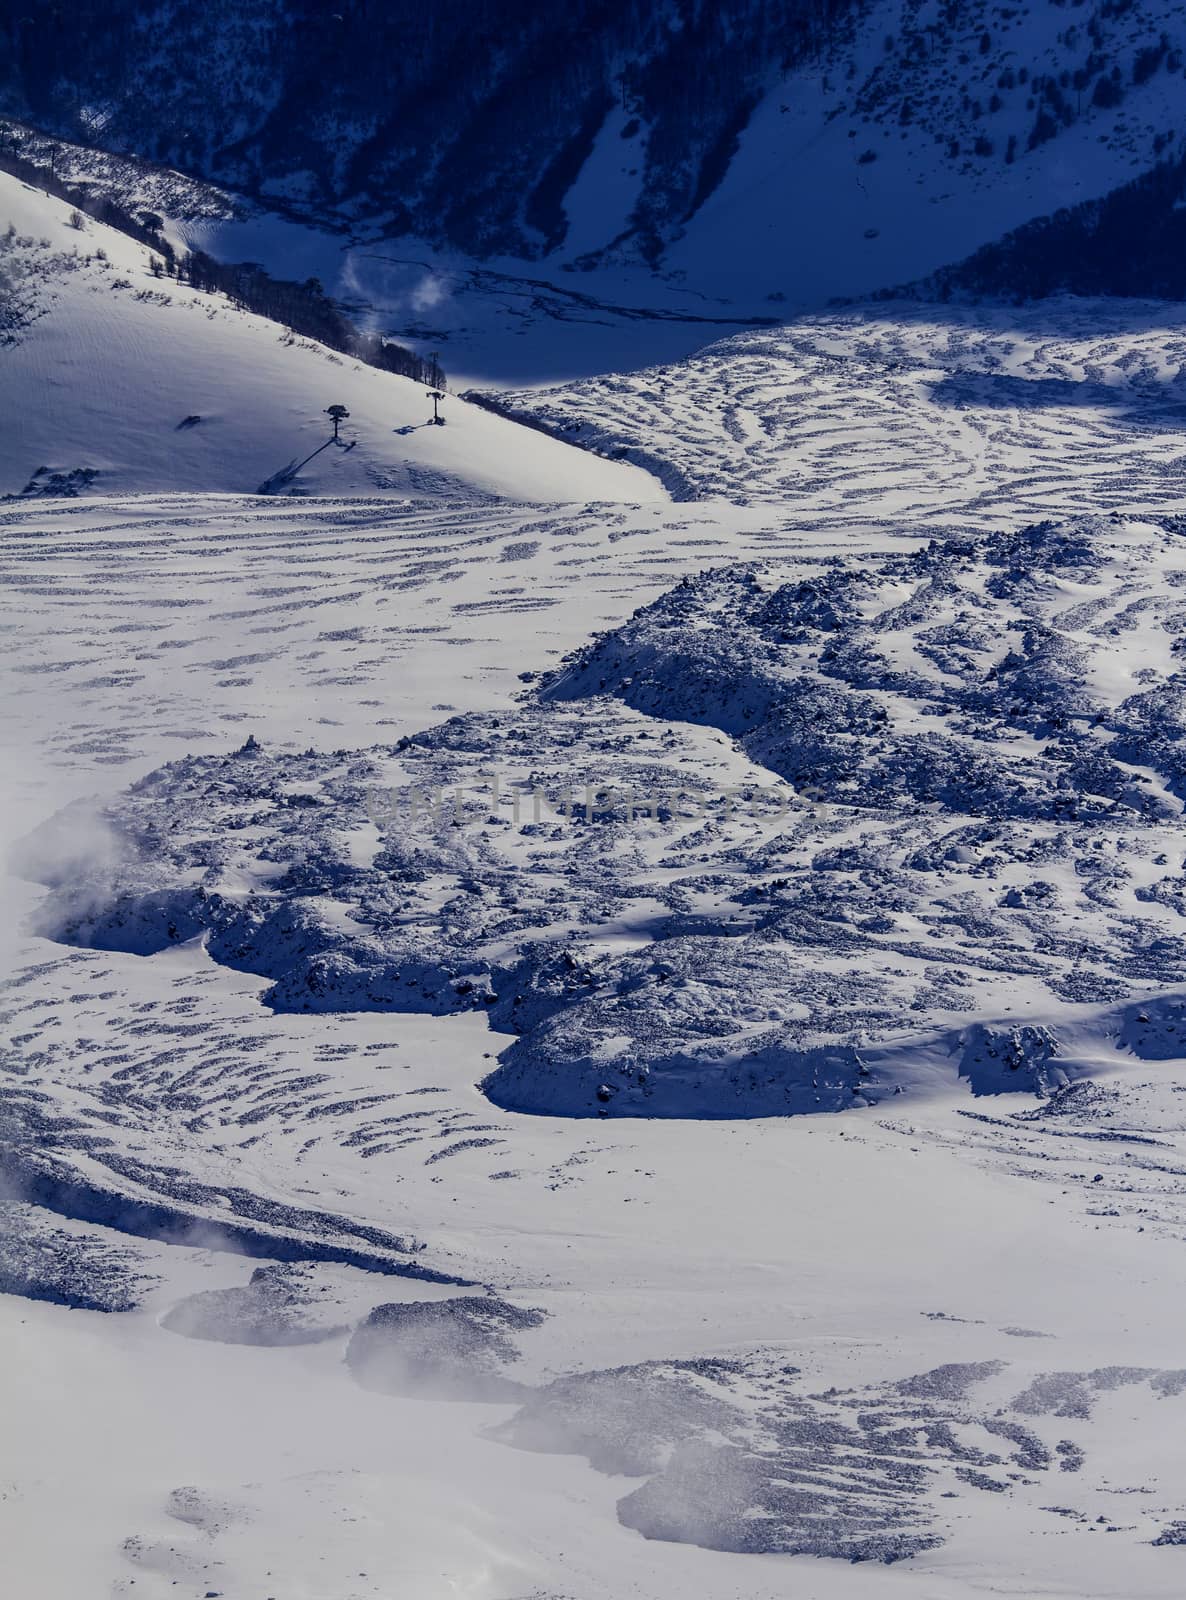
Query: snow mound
42, 1260
278, 1306
782, 842
441, 1349
740, 1455
1035, 675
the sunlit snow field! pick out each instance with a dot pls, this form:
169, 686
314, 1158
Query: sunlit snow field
937, 1332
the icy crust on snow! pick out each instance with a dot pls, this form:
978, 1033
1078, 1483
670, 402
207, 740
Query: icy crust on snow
827, 838
739, 1454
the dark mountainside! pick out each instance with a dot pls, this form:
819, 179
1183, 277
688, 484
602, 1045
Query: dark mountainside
468, 125
1132, 242
467, 122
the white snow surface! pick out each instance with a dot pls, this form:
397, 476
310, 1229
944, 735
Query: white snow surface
939, 1327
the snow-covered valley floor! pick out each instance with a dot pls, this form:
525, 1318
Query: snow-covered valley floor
928, 1346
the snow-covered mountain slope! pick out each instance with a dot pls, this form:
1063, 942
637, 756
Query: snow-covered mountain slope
834, 147
907, 410
492, 319
835, 150
115, 380
930, 132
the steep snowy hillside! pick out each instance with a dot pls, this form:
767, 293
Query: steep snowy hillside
469, 125
114, 380
491, 320
935, 130
1132, 241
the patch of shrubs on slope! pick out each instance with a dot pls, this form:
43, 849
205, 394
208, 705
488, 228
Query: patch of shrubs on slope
18, 303
143, 226
305, 307
1132, 242
25, 266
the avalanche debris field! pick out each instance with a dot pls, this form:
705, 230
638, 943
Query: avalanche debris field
588, 1049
